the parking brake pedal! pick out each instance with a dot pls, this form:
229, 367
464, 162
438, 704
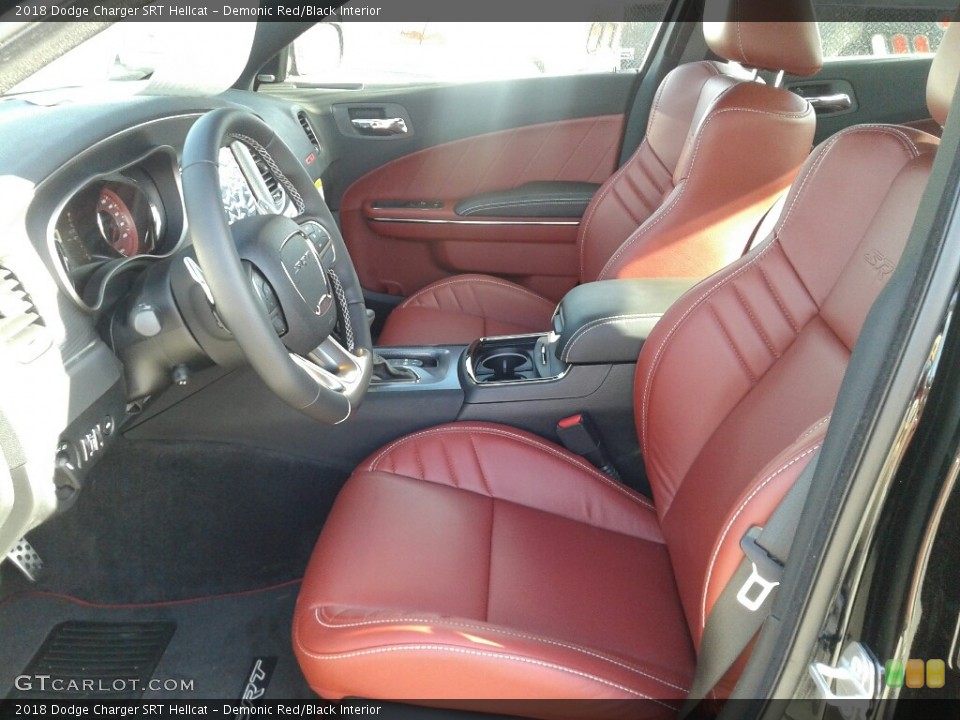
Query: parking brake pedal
26, 559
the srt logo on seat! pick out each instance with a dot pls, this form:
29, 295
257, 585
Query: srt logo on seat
880, 263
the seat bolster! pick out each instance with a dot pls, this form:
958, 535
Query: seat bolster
399, 653
515, 466
463, 308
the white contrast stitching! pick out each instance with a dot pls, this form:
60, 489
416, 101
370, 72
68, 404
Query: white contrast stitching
743, 54
829, 146
599, 322
723, 535
469, 281
595, 204
659, 214
811, 430
891, 130
333, 624
593, 472
762, 250
608, 186
701, 132
478, 653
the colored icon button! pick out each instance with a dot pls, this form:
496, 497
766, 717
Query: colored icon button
915, 673
893, 672
936, 674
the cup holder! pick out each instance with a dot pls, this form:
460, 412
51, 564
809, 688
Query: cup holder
513, 359
503, 364
507, 359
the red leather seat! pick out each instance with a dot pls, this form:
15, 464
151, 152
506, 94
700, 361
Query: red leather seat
477, 561
719, 149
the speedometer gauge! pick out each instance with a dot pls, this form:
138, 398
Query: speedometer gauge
116, 224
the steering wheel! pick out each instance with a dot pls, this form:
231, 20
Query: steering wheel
278, 284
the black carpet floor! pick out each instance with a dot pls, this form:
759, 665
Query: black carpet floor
210, 654
212, 537
163, 521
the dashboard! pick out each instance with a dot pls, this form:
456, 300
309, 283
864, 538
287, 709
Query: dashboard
88, 216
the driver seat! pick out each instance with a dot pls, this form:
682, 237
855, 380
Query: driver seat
474, 560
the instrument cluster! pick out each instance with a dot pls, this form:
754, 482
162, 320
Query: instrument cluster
120, 219
113, 220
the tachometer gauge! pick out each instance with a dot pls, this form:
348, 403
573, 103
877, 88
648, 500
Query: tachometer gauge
71, 249
116, 224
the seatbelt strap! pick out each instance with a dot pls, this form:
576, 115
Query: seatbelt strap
746, 600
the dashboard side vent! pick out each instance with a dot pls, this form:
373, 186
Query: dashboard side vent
22, 329
269, 179
308, 130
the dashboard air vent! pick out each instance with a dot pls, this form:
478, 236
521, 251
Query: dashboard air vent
21, 327
269, 179
308, 130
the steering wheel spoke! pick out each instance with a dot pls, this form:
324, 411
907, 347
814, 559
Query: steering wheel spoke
336, 369
278, 284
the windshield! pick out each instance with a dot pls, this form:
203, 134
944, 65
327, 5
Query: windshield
152, 57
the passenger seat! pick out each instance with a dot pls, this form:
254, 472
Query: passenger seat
720, 147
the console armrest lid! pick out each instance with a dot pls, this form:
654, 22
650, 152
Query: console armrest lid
608, 321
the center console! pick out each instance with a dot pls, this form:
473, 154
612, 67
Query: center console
586, 363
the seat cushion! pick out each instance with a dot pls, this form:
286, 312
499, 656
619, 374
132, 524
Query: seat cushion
563, 584
461, 309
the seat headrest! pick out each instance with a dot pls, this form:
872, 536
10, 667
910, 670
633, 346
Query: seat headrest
780, 35
942, 81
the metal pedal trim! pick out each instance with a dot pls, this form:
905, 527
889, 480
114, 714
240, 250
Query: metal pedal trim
26, 559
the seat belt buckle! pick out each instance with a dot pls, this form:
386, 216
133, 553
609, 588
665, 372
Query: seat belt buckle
579, 435
766, 572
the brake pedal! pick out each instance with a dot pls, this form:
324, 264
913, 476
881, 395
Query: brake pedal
26, 559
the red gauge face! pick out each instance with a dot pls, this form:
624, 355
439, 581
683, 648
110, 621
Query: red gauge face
117, 224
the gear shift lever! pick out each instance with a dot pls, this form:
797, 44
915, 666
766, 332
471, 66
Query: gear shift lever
386, 372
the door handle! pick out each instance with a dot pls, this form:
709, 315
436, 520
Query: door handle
831, 103
380, 126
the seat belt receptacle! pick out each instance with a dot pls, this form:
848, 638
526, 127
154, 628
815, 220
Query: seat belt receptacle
579, 435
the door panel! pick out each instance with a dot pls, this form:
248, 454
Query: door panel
463, 140
881, 90
400, 257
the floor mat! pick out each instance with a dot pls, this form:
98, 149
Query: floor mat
98, 659
213, 646
161, 521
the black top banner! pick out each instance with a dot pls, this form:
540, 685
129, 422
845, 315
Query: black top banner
419, 10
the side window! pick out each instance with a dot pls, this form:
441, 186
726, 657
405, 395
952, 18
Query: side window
405, 53
864, 31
